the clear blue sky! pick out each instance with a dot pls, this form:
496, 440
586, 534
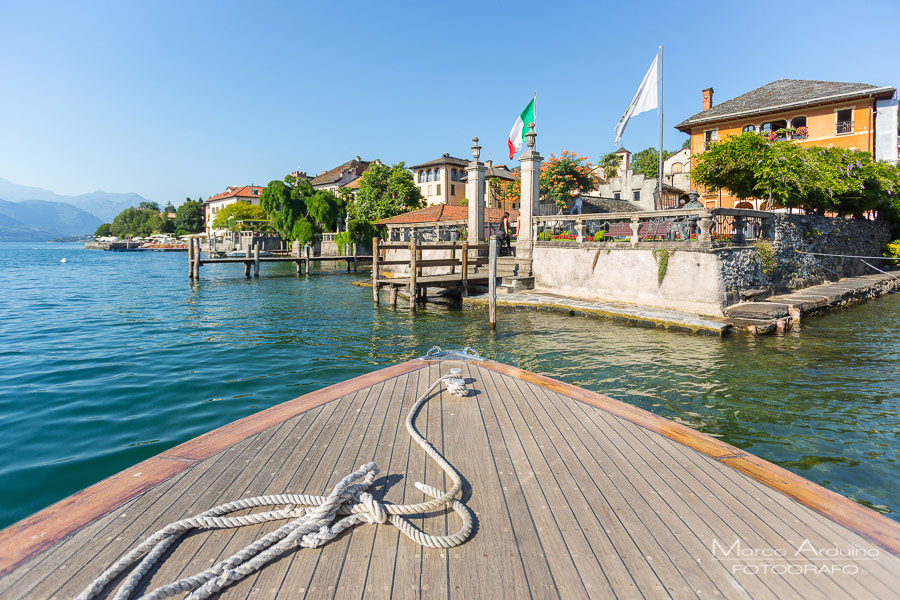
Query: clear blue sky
175, 99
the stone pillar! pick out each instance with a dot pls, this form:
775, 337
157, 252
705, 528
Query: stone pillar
531, 195
475, 194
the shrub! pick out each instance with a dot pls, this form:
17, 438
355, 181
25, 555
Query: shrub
765, 253
892, 250
598, 237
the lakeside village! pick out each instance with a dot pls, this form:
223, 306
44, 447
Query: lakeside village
783, 202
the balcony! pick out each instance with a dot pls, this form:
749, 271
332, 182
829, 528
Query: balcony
844, 127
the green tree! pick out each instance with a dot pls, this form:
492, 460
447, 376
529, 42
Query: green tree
159, 223
102, 231
297, 211
819, 180
646, 162
610, 164
170, 208
131, 222
385, 192
148, 205
233, 216
189, 217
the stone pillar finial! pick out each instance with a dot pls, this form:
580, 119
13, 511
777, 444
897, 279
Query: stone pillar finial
530, 136
476, 149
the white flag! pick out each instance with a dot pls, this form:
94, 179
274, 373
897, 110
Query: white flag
644, 99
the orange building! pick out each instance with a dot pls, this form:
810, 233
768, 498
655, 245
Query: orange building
815, 113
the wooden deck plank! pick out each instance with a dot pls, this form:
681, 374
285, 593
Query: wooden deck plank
568, 517
676, 537
128, 531
865, 522
383, 563
332, 557
435, 562
315, 474
618, 554
488, 565
796, 523
752, 519
701, 523
200, 551
408, 572
377, 447
564, 566
575, 495
537, 576
624, 524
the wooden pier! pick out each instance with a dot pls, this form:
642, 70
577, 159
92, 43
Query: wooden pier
464, 260
252, 260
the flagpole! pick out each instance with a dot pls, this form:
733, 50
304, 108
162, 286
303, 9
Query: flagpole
660, 173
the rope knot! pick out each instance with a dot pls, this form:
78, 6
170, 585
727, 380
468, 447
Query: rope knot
375, 512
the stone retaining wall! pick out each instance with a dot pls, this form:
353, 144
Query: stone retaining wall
706, 280
795, 234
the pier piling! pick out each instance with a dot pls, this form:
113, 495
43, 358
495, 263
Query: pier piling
256, 259
307, 249
492, 283
464, 269
393, 296
191, 258
375, 252
413, 256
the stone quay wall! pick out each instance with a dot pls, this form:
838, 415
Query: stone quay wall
705, 279
795, 236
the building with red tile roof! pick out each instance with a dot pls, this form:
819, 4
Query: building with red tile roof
440, 218
244, 193
341, 176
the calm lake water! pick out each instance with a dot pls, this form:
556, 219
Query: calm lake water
110, 358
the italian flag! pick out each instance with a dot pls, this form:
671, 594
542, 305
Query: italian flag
519, 128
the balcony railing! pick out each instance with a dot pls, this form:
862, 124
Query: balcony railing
844, 127
701, 227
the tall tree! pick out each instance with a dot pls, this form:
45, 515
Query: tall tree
102, 231
385, 192
819, 180
189, 217
148, 205
297, 211
170, 208
646, 162
236, 216
610, 164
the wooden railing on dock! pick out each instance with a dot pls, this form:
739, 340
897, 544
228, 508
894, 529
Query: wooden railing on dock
302, 257
417, 283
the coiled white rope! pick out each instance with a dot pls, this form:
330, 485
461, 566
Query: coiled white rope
315, 522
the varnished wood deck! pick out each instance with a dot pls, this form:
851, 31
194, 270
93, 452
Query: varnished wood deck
576, 495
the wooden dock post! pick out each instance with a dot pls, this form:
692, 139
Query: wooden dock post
375, 252
413, 254
197, 261
355, 249
256, 259
191, 258
307, 251
465, 269
295, 250
393, 296
492, 283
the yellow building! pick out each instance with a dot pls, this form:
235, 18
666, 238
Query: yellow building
815, 113
442, 180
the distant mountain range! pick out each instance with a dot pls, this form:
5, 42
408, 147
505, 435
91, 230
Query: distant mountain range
35, 214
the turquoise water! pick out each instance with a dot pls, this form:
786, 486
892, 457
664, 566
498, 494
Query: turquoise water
111, 358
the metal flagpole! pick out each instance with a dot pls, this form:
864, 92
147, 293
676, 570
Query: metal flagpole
660, 99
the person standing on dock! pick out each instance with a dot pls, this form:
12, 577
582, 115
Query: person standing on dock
505, 233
